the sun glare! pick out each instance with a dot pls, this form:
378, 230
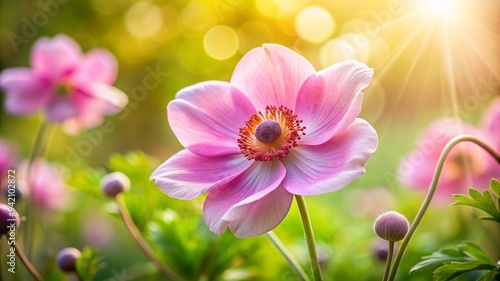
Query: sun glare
444, 9
451, 45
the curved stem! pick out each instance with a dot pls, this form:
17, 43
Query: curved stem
449, 146
389, 260
311, 244
287, 255
136, 234
28, 264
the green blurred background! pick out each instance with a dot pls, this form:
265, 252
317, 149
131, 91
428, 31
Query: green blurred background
431, 59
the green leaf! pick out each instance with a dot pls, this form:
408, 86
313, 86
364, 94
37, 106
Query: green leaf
476, 252
184, 243
86, 180
88, 264
495, 187
456, 261
455, 269
490, 275
439, 257
483, 201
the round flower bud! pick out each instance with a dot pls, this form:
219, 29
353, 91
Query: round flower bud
391, 226
9, 219
114, 183
66, 259
381, 252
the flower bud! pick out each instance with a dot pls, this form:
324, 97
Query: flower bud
66, 259
9, 219
381, 252
114, 184
391, 226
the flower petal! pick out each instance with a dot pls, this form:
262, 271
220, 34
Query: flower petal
417, 168
330, 101
332, 165
491, 121
109, 99
187, 175
206, 117
97, 66
25, 93
44, 185
93, 102
224, 205
261, 216
61, 109
56, 57
271, 75
466, 165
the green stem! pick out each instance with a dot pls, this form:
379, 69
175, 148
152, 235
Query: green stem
39, 144
449, 146
37, 151
389, 260
287, 255
28, 264
136, 234
311, 244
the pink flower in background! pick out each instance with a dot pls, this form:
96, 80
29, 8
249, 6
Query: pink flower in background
64, 83
491, 122
8, 158
45, 186
278, 128
466, 166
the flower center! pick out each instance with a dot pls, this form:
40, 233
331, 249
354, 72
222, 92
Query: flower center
268, 131
463, 161
270, 134
63, 89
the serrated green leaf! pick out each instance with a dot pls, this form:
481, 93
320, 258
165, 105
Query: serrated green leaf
462, 258
88, 264
483, 201
439, 257
184, 243
455, 269
495, 187
476, 252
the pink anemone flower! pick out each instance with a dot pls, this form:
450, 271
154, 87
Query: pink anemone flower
45, 185
8, 158
67, 85
278, 128
467, 165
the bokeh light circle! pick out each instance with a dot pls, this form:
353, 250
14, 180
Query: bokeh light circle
360, 44
314, 24
221, 42
289, 6
334, 51
143, 19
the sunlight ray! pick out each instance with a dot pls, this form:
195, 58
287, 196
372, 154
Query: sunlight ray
403, 46
450, 78
414, 63
470, 21
399, 20
479, 53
